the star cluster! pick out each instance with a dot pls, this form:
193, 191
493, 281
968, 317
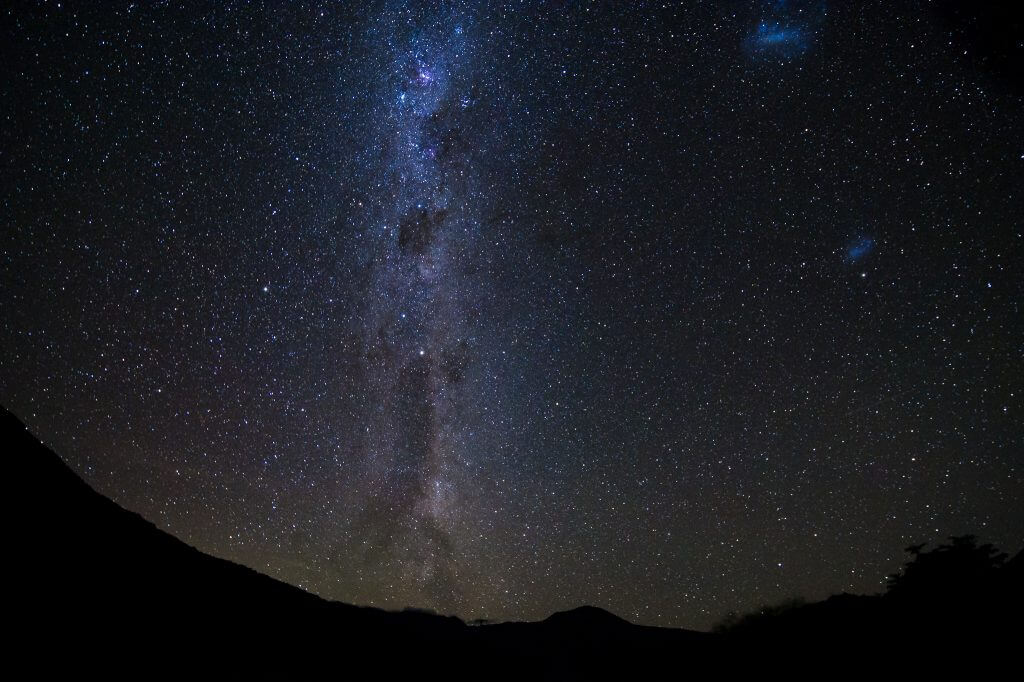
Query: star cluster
502, 308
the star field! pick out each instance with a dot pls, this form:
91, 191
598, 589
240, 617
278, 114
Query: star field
498, 309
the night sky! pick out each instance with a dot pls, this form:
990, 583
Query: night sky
499, 309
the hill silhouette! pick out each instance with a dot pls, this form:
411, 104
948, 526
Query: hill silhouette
587, 617
99, 583
93, 576
93, 586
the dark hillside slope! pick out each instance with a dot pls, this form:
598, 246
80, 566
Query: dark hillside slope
97, 582
93, 586
87, 573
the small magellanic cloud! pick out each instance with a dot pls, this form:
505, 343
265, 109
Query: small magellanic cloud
860, 249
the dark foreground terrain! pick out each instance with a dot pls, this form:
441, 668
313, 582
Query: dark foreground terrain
93, 587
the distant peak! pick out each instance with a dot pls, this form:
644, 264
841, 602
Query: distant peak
583, 615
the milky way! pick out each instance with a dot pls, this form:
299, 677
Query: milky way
497, 309
424, 215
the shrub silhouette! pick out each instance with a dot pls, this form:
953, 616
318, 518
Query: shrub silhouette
955, 574
766, 615
962, 590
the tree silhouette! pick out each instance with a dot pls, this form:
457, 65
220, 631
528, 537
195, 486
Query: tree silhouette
951, 573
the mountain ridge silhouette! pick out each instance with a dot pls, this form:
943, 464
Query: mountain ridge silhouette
106, 574
96, 586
